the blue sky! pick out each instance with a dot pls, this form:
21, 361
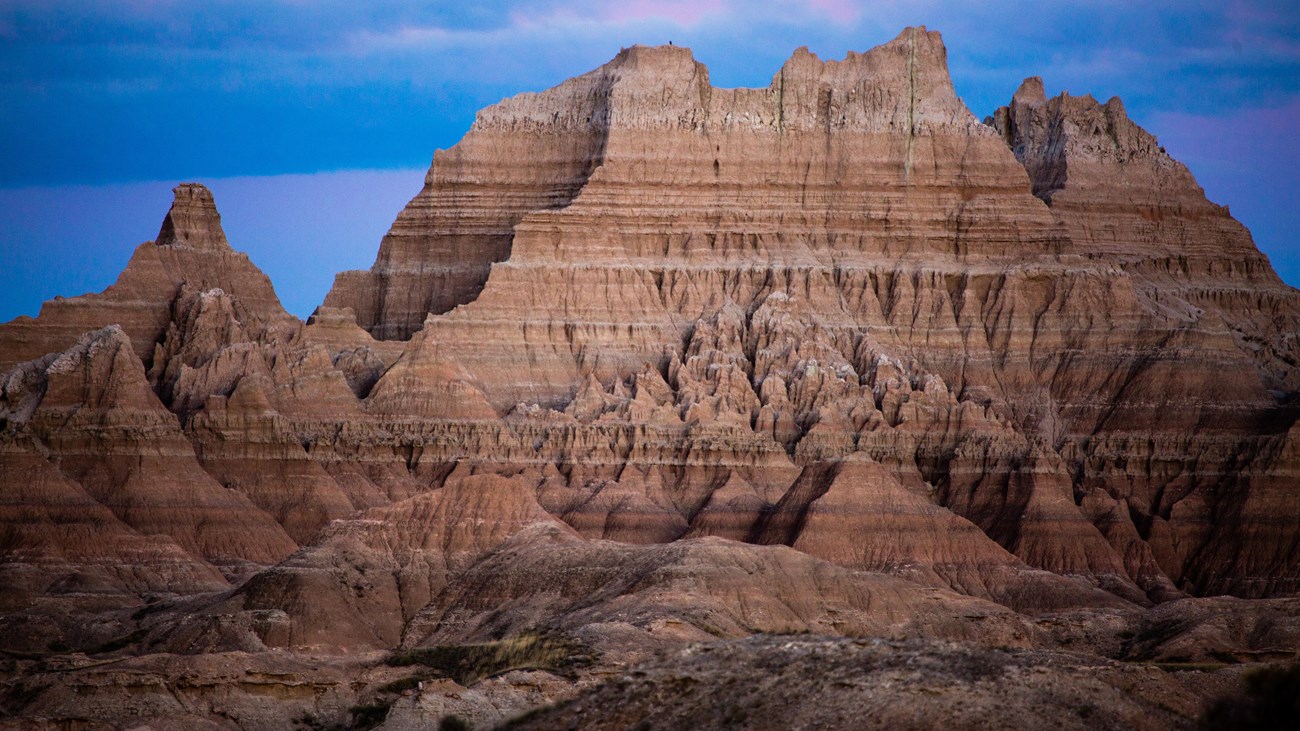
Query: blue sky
313, 121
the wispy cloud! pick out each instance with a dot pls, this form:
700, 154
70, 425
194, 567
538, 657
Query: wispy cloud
556, 23
366, 40
1236, 138
371, 69
683, 13
121, 90
1246, 158
840, 11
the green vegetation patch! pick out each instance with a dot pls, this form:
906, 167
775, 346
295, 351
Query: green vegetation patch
401, 685
468, 664
1190, 667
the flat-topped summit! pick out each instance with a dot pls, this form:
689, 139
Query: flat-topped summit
193, 220
885, 117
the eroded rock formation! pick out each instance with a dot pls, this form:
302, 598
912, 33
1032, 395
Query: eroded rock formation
649, 362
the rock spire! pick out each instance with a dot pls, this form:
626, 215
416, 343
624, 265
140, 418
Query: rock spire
193, 220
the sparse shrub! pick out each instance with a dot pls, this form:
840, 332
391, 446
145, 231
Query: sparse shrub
454, 723
369, 715
1271, 701
468, 664
401, 685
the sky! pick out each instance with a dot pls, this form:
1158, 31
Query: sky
314, 121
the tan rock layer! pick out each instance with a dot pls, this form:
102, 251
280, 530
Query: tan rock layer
830, 313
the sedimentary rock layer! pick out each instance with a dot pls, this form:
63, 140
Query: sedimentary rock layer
648, 360
805, 259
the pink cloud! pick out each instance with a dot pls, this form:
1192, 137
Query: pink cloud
686, 13
846, 12
1269, 138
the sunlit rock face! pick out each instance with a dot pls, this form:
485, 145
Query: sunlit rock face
1041, 318
649, 362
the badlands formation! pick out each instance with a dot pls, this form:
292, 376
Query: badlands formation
999, 417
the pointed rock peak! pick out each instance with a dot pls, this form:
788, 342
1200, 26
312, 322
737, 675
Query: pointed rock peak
918, 32
804, 52
915, 45
589, 401
252, 395
805, 65
344, 317
1031, 91
802, 63
89, 346
927, 49
913, 68
101, 371
193, 220
925, 45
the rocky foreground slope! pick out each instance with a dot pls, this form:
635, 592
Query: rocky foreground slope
649, 363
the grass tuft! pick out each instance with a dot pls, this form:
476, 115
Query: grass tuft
468, 664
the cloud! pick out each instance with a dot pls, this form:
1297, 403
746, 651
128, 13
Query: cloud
846, 12
1246, 158
365, 41
683, 13
1233, 137
121, 90
556, 24
377, 70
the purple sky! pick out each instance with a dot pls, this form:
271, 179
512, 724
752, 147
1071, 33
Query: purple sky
313, 122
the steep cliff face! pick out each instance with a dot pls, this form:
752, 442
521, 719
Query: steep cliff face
1125, 200
648, 360
438, 253
802, 260
652, 111
1198, 432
